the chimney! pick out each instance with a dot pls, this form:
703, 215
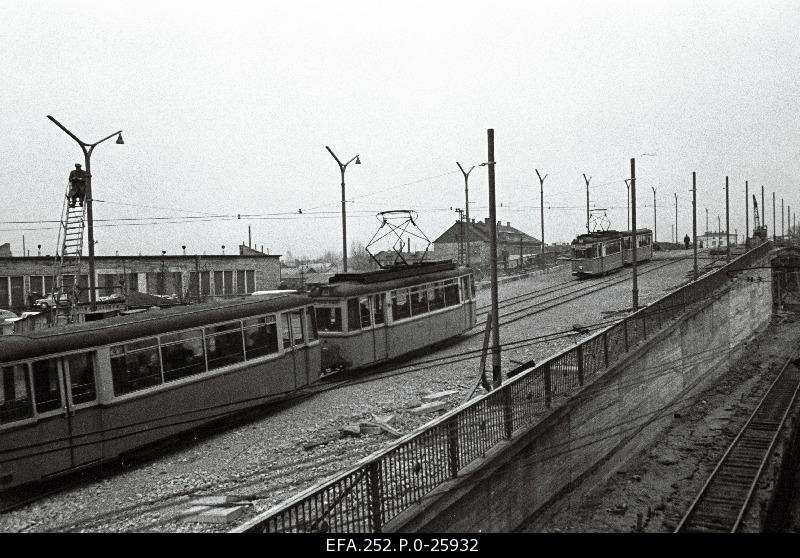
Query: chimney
508, 223
473, 220
486, 220
499, 224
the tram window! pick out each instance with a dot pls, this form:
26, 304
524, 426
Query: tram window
311, 318
297, 327
135, 366
287, 332
46, 387
224, 344
626, 242
401, 307
436, 296
363, 309
612, 247
15, 394
81, 378
419, 301
451, 292
644, 240
260, 336
377, 307
329, 319
353, 315
182, 354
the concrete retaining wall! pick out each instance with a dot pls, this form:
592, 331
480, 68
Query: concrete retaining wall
603, 424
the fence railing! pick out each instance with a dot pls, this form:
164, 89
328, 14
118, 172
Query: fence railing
368, 496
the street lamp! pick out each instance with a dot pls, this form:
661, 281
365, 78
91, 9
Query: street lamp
655, 228
87, 149
466, 203
342, 167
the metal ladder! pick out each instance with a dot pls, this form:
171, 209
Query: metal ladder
68, 258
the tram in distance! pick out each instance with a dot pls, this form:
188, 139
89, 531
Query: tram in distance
601, 252
78, 395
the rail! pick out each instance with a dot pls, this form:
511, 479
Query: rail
366, 497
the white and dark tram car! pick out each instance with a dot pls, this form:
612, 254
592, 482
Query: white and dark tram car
368, 318
601, 252
78, 395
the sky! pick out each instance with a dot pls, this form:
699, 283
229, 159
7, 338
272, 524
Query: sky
226, 109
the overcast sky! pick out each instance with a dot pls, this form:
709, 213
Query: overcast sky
226, 109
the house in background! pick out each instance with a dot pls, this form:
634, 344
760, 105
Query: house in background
511, 242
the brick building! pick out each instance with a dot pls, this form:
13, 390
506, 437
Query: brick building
510, 241
25, 278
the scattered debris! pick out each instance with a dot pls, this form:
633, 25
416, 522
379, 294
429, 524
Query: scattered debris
353, 430
428, 408
619, 509
438, 396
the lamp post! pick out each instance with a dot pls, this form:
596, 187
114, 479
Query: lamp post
342, 167
466, 204
87, 149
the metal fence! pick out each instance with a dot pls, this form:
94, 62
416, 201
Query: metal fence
365, 498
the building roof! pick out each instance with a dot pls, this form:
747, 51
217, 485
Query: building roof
479, 232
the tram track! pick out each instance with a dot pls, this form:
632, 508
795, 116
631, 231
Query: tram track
724, 499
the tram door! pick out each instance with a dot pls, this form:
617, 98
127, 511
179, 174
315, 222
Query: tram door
80, 379
52, 432
293, 340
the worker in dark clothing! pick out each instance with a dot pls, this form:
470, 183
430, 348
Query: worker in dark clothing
77, 185
686, 241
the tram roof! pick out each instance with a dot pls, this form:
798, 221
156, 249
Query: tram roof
119, 329
353, 284
596, 236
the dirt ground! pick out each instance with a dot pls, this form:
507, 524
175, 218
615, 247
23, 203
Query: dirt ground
652, 491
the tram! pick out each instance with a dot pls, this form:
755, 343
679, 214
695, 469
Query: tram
82, 394
368, 318
598, 253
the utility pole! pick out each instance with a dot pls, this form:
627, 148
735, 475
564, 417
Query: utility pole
727, 224
676, 219
773, 216
782, 222
694, 222
763, 209
706, 220
746, 215
628, 207
655, 224
342, 167
587, 200
496, 371
466, 203
541, 203
461, 234
633, 234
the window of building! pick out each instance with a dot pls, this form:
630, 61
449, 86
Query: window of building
219, 283
329, 319
46, 386
81, 378
182, 354
5, 293
15, 394
228, 275
41, 285
224, 344
241, 286
401, 305
260, 336
135, 366
250, 276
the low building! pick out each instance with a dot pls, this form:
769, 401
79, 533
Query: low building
22, 279
510, 240
716, 240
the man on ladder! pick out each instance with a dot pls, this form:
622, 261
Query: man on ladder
77, 185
